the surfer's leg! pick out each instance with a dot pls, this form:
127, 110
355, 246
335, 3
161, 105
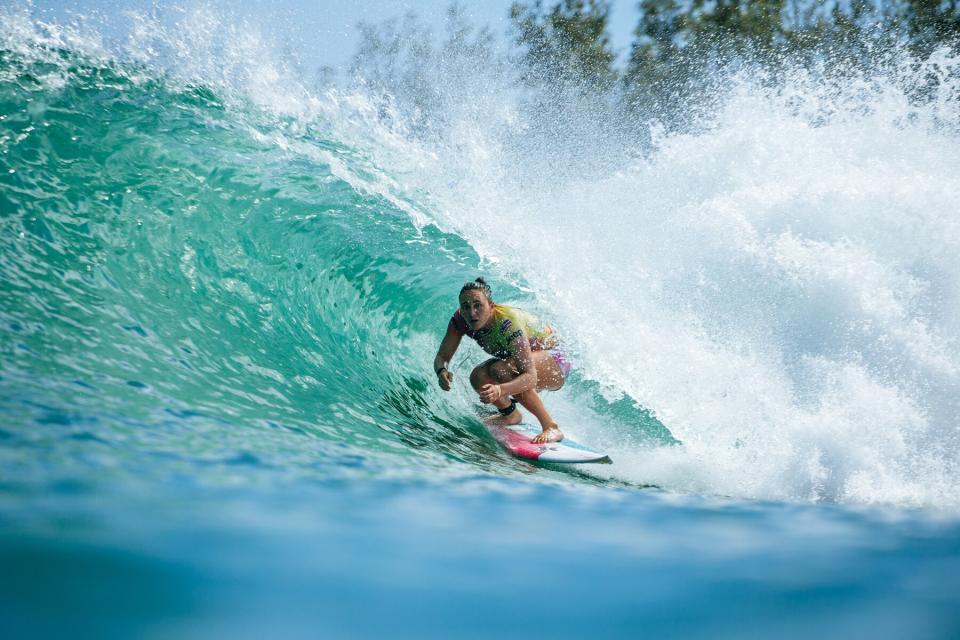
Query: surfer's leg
531, 401
495, 371
549, 377
550, 373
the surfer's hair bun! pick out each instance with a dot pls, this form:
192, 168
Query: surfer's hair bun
478, 284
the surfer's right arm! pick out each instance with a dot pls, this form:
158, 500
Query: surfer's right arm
448, 347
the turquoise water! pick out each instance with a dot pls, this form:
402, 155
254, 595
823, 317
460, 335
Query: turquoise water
221, 297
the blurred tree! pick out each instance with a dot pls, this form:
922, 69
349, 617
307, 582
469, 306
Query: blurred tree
736, 24
398, 60
656, 72
932, 23
567, 44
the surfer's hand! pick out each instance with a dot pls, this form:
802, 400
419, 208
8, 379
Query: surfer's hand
550, 434
490, 393
445, 378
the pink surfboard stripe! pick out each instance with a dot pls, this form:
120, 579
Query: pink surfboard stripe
517, 444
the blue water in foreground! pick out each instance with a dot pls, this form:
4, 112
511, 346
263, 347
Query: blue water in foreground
220, 297
476, 557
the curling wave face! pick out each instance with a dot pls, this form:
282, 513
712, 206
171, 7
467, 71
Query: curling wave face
176, 280
216, 263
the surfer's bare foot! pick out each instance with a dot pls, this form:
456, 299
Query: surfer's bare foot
550, 434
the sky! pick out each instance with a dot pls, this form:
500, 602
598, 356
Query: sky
323, 32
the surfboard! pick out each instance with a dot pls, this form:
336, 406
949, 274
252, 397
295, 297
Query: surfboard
515, 438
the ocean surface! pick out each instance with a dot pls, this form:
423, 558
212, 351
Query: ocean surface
222, 288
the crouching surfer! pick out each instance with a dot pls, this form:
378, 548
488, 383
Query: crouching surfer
525, 357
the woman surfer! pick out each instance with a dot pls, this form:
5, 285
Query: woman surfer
525, 357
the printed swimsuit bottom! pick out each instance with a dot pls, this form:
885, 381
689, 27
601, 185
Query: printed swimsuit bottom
561, 361
558, 356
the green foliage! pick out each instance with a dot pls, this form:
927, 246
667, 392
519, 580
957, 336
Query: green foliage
679, 44
563, 51
657, 71
738, 22
567, 43
932, 22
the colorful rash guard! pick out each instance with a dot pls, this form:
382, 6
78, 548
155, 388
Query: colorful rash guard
508, 324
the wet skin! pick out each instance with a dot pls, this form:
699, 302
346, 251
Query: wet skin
496, 380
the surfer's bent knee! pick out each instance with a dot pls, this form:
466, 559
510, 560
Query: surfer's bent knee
482, 375
501, 370
478, 377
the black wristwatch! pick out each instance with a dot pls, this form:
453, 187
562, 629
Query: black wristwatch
441, 369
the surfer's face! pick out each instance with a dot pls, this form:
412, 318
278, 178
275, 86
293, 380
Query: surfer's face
476, 309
